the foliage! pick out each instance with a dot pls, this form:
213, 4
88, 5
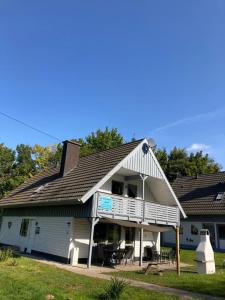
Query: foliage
179, 163
5, 254
114, 290
100, 140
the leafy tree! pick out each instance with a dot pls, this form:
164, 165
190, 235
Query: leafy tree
25, 164
179, 163
162, 157
100, 140
7, 158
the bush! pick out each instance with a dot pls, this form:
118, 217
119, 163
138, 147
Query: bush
5, 254
114, 290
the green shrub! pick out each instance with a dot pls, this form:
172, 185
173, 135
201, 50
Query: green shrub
5, 254
12, 262
114, 290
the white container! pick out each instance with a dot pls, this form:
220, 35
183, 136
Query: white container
74, 256
205, 255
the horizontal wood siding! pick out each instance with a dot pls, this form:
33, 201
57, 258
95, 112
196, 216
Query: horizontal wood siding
81, 236
54, 236
149, 239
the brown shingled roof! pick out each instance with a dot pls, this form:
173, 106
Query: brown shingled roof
197, 195
53, 188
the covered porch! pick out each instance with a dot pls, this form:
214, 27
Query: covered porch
116, 242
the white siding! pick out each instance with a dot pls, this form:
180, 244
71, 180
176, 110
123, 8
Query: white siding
54, 235
10, 235
149, 239
53, 238
143, 163
81, 236
187, 238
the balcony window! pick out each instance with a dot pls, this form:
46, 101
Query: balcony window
132, 190
117, 187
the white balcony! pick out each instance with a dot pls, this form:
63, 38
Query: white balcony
124, 208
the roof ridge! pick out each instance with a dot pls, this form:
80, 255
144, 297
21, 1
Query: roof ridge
118, 146
199, 175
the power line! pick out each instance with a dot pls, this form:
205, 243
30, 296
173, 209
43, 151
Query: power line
29, 126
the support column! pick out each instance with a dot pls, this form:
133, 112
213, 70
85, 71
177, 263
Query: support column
178, 249
91, 242
141, 247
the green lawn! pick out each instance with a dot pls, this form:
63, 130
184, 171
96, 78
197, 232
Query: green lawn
25, 279
189, 279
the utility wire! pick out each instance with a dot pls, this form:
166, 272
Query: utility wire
29, 126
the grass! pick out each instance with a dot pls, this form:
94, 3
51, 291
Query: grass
25, 279
189, 279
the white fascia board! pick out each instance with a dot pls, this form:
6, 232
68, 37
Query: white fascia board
168, 184
110, 174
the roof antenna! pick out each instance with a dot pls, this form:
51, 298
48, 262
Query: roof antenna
152, 144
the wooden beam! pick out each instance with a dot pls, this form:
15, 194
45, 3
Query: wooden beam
178, 249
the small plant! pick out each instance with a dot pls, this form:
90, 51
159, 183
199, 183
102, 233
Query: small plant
6, 254
13, 262
114, 290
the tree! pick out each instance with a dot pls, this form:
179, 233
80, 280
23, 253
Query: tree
201, 163
100, 140
7, 159
162, 157
46, 156
179, 163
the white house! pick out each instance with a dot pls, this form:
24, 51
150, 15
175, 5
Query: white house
203, 200
120, 194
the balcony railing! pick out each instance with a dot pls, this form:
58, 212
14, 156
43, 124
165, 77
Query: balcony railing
124, 208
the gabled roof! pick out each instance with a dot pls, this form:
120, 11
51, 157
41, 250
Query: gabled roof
49, 187
197, 195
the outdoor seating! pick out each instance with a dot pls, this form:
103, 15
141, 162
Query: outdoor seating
166, 256
128, 254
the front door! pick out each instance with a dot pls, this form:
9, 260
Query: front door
211, 229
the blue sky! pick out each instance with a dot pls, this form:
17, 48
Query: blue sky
149, 68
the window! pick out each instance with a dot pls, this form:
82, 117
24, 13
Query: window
221, 231
107, 232
117, 187
220, 196
194, 230
129, 235
24, 227
132, 190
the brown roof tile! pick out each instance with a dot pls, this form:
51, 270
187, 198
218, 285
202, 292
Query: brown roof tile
90, 170
197, 195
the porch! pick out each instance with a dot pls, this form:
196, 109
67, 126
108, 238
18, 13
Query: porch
138, 210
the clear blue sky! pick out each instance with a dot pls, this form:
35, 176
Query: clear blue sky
149, 68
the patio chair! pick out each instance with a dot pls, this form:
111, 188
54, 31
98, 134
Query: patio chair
128, 254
